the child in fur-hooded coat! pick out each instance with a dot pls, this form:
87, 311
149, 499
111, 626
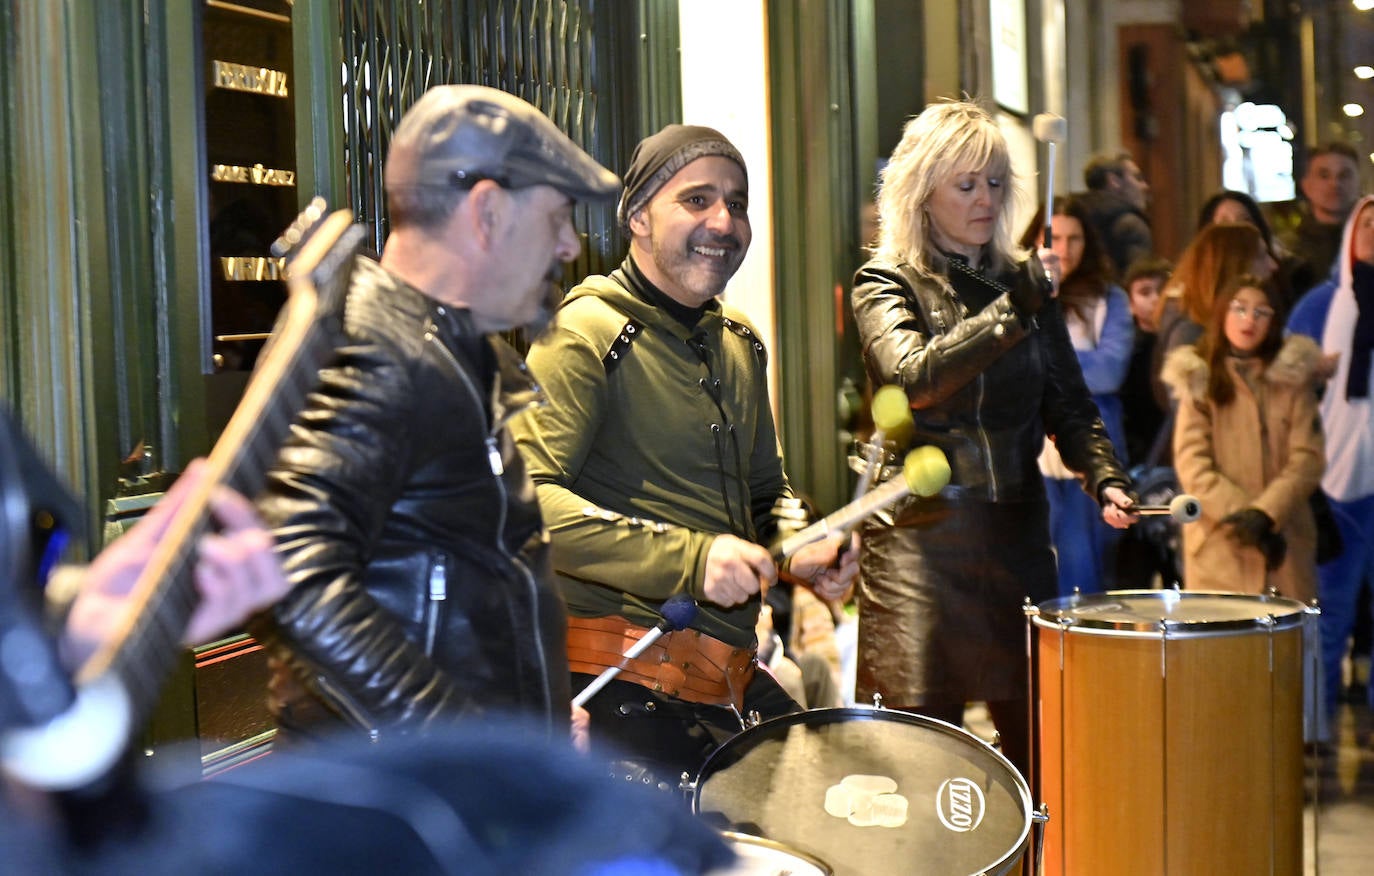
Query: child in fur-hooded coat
1261, 451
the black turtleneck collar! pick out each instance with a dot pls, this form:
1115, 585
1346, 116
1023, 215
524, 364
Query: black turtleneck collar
642, 289
975, 288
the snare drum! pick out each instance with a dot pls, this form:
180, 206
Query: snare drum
756, 856
1170, 732
871, 791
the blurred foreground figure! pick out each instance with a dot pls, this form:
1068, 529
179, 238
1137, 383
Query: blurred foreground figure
481, 801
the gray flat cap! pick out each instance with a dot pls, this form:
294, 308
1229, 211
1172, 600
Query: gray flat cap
455, 135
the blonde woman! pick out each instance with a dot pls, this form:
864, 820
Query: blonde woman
958, 316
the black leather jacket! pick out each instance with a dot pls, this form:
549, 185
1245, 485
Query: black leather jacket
985, 384
410, 532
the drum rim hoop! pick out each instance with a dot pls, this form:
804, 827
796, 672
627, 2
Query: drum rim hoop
779, 846
1051, 614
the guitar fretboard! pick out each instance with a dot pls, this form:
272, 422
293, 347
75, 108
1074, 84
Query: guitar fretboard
142, 654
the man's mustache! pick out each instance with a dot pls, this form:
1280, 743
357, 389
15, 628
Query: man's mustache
722, 241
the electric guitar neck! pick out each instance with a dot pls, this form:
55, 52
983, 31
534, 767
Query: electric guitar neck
119, 686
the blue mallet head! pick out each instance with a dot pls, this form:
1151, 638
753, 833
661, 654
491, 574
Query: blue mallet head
679, 611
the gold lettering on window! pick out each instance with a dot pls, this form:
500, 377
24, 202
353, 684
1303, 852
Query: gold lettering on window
251, 268
256, 175
241, 77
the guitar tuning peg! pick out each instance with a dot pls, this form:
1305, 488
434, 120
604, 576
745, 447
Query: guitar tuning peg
300, 229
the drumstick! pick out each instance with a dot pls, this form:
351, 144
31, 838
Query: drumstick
891, 415
1183, 509
678, 611
1049, 129
924, 472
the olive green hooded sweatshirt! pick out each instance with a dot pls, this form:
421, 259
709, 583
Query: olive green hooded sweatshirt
655, 438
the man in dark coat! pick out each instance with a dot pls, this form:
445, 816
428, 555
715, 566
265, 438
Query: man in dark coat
422, 589
1116, 199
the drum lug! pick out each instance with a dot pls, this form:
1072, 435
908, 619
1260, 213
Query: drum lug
877, 700
1041, 815
687, 786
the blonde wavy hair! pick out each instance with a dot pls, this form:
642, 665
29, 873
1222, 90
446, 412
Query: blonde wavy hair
946, 139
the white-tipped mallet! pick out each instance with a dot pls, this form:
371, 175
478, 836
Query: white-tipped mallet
1049, 129
1183, 508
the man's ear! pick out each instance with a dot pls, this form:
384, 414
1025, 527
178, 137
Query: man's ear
639, 222
485, 207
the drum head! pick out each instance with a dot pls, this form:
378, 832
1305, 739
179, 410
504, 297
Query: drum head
1182, 612
871, 791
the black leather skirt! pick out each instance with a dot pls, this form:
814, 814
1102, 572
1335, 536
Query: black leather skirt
941, 593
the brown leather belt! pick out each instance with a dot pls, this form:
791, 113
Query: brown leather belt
686, 664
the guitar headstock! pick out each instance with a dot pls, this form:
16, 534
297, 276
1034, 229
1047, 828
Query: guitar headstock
319, 248
305, 224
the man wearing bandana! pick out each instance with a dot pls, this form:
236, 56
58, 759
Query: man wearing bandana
1339, 315
658, 466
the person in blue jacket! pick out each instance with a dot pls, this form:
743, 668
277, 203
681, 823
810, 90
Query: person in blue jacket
1339, 315
1098, 315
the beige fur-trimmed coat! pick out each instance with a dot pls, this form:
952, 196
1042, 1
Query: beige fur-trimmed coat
1264, 450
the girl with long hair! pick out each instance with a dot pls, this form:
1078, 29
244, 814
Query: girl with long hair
1293, 276
1248, 443
1217, 254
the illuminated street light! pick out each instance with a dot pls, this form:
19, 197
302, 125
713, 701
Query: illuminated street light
1364, 71
1354, 110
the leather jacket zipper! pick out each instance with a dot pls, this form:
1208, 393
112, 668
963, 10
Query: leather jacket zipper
987, 443
961, 310
498, 469
434, 609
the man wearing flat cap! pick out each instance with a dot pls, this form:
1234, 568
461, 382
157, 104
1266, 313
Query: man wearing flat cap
658, 465
410, 532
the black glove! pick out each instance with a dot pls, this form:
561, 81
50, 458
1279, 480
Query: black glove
1274, 547
1032, 287
1248, 526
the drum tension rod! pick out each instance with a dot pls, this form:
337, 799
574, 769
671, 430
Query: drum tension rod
1271, 623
